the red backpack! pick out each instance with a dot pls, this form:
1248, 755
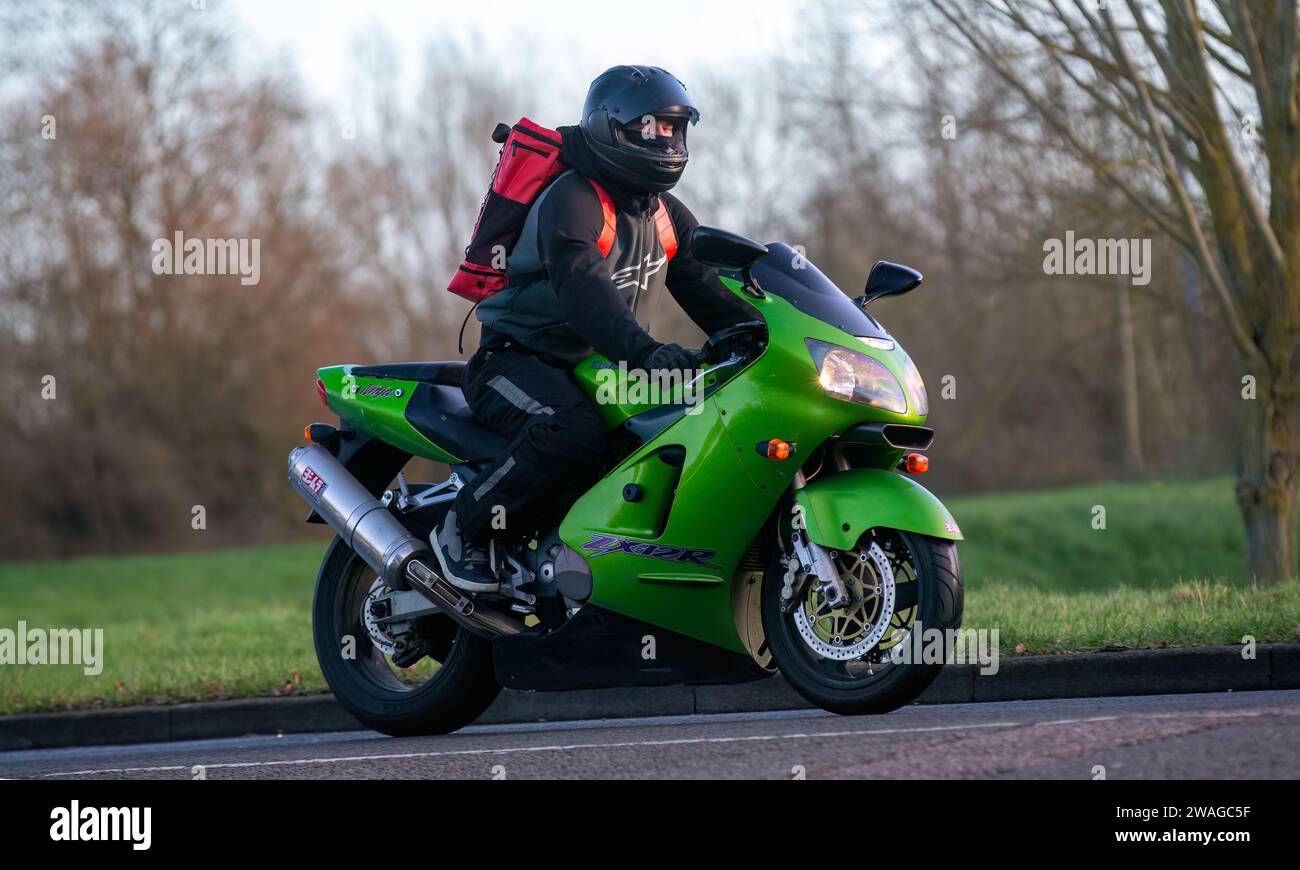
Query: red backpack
530, 160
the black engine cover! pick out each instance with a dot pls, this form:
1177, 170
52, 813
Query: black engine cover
600, 649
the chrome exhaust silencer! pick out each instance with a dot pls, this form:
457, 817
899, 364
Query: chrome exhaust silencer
380, 539
361, 521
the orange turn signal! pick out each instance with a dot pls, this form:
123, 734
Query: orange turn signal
306, 432
778, 449
916, 463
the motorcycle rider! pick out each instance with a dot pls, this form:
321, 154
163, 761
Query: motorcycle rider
565, 299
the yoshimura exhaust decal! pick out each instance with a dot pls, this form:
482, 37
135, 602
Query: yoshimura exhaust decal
313, 482
603, 545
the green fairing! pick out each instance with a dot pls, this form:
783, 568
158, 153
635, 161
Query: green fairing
381, 416
617, 393
727, 488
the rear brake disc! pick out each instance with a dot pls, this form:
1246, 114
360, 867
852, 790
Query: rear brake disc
380, 638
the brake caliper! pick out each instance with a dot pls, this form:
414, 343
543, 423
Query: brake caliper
817, 562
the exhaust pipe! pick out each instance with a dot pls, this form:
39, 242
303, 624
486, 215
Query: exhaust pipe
361, 521
457, 604
380, 539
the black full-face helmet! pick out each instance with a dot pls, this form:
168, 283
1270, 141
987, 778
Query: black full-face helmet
621, 120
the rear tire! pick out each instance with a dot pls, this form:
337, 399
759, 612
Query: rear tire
939, 600
461, 689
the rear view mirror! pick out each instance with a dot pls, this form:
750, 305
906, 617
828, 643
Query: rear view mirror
725, 250
889, 279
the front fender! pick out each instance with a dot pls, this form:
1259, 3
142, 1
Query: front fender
838, 508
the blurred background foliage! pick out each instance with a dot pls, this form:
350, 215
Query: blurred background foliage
176, 391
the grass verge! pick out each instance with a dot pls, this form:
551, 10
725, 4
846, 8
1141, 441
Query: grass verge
237, 623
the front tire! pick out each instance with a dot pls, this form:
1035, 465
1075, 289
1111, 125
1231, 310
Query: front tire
873, 682
457, 685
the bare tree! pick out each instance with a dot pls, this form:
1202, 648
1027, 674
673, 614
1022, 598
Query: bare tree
1206, 94
407, 180
161, 393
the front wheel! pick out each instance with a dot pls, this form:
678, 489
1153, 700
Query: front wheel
423, 676
848, 660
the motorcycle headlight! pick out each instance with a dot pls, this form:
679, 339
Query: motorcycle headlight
856, 377
916, 389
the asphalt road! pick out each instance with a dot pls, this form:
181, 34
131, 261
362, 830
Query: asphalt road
1253, 735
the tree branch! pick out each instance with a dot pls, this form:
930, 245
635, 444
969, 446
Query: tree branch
1201, 248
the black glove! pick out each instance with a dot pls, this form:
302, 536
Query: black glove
669, 356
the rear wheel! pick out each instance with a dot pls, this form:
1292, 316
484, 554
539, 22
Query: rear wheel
429, 676
840, 658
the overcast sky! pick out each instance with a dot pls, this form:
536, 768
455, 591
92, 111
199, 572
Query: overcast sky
578, 38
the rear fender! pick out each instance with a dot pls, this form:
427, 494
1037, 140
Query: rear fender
838, 508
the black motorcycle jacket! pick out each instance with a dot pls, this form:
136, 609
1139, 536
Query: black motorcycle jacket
565, 299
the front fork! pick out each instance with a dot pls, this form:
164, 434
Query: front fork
814, 559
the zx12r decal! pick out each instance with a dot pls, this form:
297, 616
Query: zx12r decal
603, 545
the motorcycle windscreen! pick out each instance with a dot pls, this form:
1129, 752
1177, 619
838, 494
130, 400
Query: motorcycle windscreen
786, 273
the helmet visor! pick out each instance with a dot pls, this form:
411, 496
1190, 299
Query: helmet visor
661, 135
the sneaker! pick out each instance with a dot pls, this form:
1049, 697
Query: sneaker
464, 565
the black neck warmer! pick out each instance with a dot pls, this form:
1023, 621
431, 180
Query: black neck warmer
577, 155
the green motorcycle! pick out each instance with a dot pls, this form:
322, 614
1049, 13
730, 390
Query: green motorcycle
760, 516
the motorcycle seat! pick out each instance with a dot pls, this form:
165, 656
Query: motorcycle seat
437, 408
441, 414
449, 374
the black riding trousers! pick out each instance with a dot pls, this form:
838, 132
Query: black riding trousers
556, 452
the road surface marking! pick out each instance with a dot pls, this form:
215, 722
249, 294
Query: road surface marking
567, 747
683, 741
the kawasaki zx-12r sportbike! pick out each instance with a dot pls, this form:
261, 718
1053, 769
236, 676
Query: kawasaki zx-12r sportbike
761, 517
